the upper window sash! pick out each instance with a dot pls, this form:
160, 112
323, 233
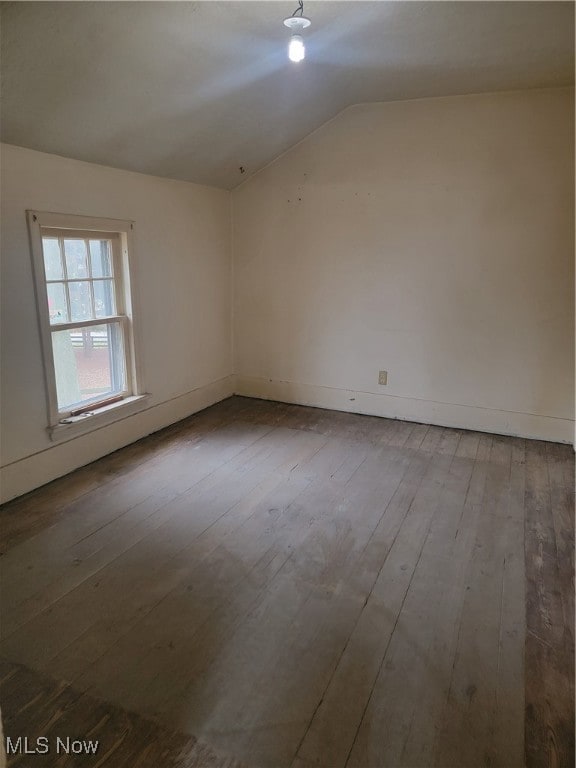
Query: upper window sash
82, 270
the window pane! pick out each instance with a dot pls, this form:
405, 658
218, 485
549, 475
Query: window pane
89, 364
104, 298
80, 301
57, 305
52, 259
100, 258
76, 258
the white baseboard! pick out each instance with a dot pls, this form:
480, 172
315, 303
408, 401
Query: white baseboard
410, 409
60, 459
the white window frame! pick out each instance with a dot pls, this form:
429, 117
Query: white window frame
62, 424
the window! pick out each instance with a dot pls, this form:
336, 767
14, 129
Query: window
82, 273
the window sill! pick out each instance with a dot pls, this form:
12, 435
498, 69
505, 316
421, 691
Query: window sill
101, 418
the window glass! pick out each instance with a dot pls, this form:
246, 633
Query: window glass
89, 363
52, 260
100, 258
57, 304
76, 258
80, 301
104, 304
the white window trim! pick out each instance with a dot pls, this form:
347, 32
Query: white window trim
136, 398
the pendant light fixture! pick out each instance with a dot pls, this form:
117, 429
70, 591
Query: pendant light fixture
296, 23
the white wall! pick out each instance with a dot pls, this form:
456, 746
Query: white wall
183, 282
430, 238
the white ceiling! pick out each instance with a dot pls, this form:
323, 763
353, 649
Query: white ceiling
194, 90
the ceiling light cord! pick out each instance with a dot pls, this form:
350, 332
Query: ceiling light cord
300, 10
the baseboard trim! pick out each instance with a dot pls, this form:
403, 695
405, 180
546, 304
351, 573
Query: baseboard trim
33, 471
479, 419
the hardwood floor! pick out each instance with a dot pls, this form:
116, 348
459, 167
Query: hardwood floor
66, 728
298, 587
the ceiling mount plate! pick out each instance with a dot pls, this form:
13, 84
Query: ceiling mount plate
297, 23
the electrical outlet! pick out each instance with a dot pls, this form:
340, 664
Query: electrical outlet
383, 377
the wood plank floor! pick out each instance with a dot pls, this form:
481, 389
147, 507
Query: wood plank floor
53, 716
299, 587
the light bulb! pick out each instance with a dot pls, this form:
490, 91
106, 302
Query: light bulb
296, 50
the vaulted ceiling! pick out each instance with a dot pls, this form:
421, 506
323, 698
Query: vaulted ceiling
197, 90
